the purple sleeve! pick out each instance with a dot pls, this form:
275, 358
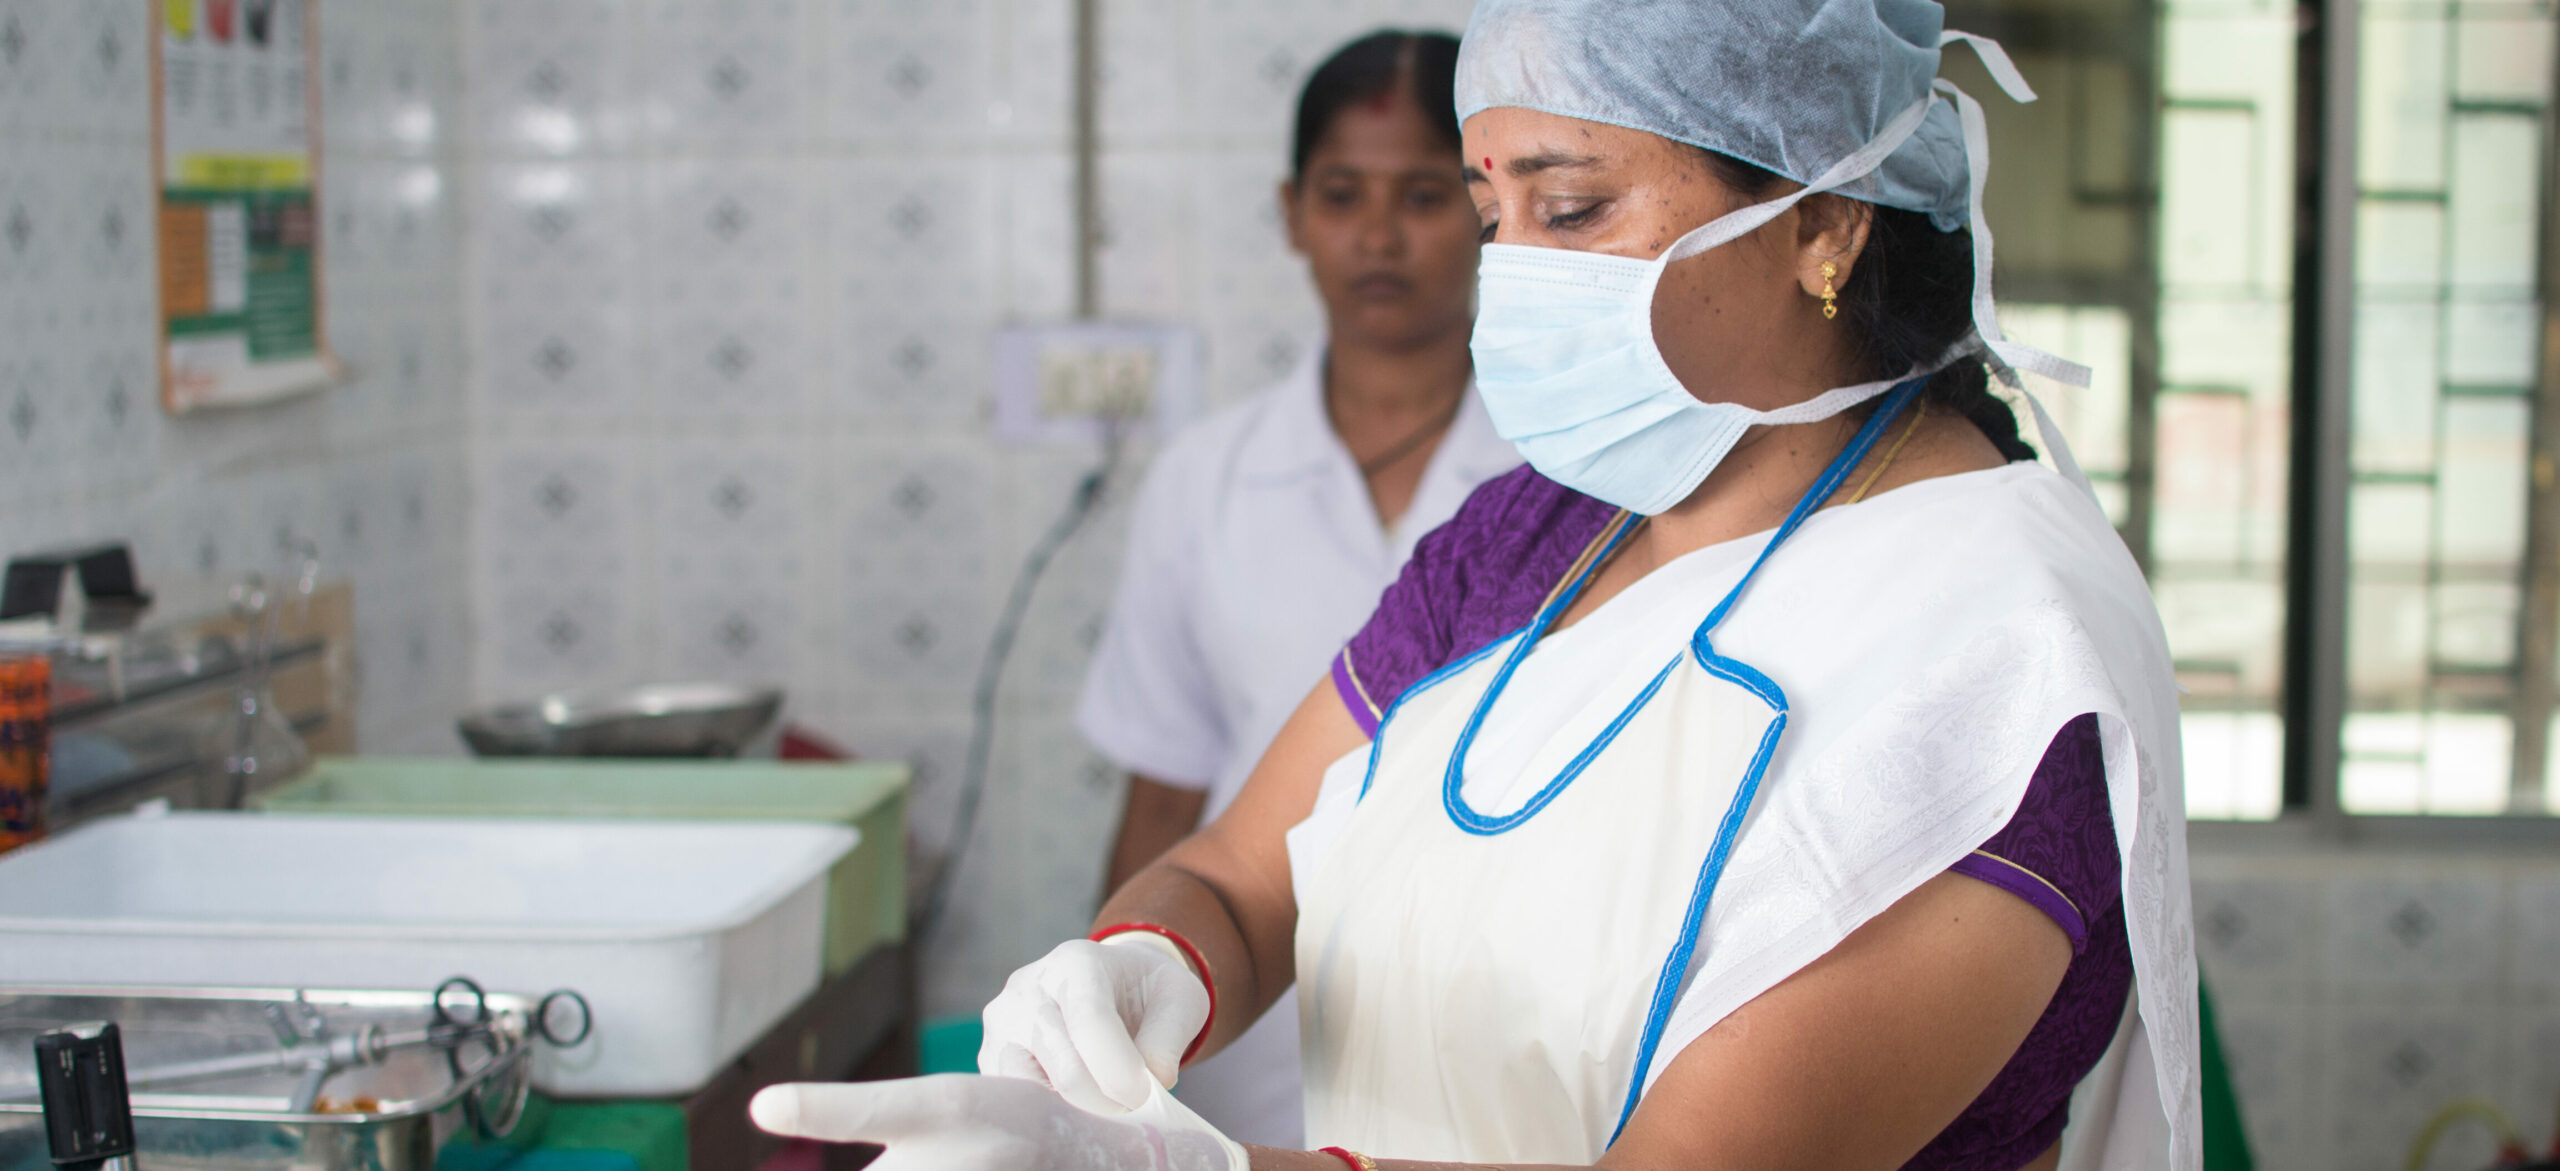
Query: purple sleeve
2059, 851
1472, 580
2059, 854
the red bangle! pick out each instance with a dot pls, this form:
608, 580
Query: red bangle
1199, 967
1356, 1162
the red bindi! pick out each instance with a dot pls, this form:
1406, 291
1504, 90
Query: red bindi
1488, 162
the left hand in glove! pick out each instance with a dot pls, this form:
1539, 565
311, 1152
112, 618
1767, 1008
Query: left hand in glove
967, 1122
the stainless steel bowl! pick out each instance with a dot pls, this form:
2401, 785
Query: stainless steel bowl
660, 719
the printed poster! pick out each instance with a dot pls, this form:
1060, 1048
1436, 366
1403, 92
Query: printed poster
237, 146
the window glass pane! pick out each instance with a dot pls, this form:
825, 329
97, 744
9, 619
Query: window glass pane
2401, 92
2450, 160
2146, 228
2220, 450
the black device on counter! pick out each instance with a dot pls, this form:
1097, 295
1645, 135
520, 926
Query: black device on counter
88, 1111
33, 584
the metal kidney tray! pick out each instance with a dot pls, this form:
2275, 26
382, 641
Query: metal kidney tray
389, 1104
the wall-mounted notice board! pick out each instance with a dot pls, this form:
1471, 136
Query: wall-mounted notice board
236, 146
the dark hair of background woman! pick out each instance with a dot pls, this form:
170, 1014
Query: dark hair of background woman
1909, 297
1370, 68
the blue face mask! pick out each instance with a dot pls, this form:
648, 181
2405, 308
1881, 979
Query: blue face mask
1566, 362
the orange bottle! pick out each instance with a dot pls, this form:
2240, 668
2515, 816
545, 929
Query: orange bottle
26, 709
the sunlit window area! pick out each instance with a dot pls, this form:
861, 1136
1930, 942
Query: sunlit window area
2170, 266
2450, 126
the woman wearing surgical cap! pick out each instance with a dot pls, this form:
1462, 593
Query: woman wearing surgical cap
1780, 772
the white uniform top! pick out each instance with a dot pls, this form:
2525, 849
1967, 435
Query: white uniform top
1255, 553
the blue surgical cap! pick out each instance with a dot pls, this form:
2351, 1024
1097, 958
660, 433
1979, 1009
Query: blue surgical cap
1791, 86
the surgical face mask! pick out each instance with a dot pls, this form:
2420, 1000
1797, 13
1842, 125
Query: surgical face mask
1566, 360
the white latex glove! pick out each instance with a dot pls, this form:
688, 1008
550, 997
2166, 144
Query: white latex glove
962, 1122
1104, 1024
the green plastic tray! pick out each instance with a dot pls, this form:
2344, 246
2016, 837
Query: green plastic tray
866, 892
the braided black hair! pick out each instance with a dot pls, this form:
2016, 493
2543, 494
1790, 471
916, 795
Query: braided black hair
1908, 298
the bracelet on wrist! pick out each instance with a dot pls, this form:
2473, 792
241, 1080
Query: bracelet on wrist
1190, 955
1356, 1160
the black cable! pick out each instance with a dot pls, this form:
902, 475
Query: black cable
1081, 505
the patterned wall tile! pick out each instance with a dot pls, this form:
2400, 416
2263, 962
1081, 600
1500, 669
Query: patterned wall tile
387, 80
34, 44
906, 73
39, 221
105, 215
1034, 101
2532, 1077
37, 422
549, 501
913, 367
1262, 315
2258, 937
113, 399
551, 77
1147, 235
737, 360
558, 632
914, 233
546, 349
729, 228
903, 502
1039, 237
921, 633
1262, 54
2388, 1069
1449, 16
721, 497
2438, 932
2275, 1056
1145, 70
933, 744
722, 73
1071, 807
742, 626
2533, 931
557, 219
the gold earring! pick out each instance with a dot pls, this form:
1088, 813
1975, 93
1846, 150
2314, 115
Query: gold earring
1830, 295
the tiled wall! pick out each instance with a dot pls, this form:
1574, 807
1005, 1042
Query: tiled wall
371, 470
2358, 995
735, 272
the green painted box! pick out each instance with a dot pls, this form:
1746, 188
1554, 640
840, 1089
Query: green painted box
866, 892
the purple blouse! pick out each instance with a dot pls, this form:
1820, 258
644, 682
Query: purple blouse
1483, 575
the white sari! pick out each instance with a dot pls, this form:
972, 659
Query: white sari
1492, 968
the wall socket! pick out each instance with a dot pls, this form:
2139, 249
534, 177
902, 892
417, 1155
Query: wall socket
1063, 384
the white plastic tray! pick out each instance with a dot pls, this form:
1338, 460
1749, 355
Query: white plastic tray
689, 940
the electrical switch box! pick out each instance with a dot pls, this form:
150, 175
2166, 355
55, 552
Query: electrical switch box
1073, 383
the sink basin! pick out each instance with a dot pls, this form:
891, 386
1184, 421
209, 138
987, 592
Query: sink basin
688, 940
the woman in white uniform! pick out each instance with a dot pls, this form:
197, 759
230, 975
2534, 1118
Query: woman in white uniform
1819, 807
1263, 535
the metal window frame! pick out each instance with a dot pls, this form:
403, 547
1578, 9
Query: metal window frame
2315, 635
2313, 703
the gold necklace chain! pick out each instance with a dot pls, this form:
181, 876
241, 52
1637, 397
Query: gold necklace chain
1889, 453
